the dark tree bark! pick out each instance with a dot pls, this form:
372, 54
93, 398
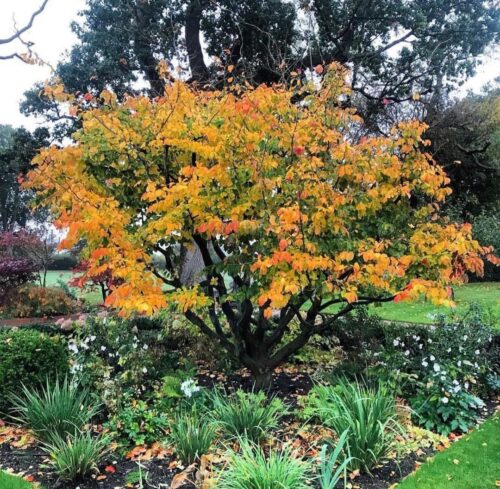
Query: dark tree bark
199, 71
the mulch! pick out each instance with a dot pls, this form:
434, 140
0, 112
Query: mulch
31, 461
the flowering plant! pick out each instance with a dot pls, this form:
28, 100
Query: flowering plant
111, 356
447, 364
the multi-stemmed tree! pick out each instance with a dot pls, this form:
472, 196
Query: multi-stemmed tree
291, 214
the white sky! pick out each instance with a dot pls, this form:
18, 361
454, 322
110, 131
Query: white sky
52, 36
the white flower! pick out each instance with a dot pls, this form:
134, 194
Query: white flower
145, 347
477, 352
424, 363
459, 363
103, 348
189, 387
432, 358
465, 337
73, 348
407, 352
144, 370
445, 400
92, 338
420, 346
466, 385
396, 342
429, 340
436, 367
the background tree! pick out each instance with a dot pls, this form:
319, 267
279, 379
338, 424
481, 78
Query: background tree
16, 153
16, 268
397, 50
289, 212
465, 137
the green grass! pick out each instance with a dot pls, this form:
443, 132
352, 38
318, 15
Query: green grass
91, 297
11, 482
471, 463
485, 294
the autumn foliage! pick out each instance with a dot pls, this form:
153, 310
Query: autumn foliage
290, 211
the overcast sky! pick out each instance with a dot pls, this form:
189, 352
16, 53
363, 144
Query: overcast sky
52, 37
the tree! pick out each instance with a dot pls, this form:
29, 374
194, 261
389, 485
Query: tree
17, 36
465, 137
15, 159
15, 268
398, 50
291, 214
82, 279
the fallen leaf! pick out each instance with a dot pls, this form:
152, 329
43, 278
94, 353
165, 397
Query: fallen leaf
183, 478
110, 469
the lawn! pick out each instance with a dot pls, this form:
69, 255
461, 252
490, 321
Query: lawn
54, 276
486, 294
471, 463
10, 482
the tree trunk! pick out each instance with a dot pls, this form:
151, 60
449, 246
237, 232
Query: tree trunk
263, 379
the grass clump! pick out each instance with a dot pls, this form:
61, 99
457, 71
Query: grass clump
246, 414
333, 466
55, 410
367, 416
77, 455
192, 437
252, 469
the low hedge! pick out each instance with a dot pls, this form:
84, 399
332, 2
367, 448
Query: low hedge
29, 357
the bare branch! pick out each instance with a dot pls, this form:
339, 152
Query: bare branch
29, 25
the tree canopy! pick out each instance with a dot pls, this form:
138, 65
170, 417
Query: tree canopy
397, 50
289, 211
17, 149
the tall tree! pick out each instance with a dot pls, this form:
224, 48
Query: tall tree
465, 137
15, 161
397, 49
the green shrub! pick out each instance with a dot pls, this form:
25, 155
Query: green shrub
55, 410
367, 415
76, 456
63, 261
251, 469
246, 414
35, 301
192, 437
29, 357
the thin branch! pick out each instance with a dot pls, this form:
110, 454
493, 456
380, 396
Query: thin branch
29, 25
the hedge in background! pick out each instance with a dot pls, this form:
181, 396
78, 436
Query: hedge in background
29, 357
